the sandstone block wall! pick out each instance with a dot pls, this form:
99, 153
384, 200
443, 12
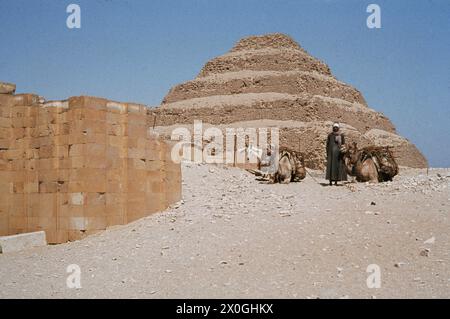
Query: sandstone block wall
75, 167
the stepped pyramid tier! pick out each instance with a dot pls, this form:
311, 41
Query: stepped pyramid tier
271, 79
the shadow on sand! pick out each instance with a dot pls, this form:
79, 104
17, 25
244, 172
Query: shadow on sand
328, 184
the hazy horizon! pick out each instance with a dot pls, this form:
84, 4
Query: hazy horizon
135, 51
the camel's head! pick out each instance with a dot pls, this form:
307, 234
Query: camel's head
351, 156
347, 158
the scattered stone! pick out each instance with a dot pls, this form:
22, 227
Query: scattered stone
425, 252
399, 264
177, 204
22, 242
284, 214
430, 240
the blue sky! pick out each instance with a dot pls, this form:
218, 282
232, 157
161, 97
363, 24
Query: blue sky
135, 50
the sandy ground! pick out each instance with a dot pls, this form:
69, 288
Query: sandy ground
235, 237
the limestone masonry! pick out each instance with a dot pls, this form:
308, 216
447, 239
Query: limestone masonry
75, 167
271, 81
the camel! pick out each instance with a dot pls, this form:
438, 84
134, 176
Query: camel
370, 164
290, 166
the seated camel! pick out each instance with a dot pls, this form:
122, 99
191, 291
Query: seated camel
289, 167
370, 164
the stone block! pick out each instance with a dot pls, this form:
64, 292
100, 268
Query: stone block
87, 102
7, 88
20, 242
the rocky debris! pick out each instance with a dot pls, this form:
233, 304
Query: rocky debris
399, 264
425, 252
425, 183
177, 204
7, 88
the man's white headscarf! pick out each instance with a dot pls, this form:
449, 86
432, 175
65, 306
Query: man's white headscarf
337, 134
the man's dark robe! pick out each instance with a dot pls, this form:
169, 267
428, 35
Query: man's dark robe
335, 164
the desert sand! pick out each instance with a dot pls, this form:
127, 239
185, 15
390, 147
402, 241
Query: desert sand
233, 236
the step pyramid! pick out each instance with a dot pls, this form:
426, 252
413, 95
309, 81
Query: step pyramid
270, 80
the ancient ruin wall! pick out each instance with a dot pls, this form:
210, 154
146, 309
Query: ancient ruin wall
76, 167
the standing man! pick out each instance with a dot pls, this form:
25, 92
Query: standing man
335, 163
